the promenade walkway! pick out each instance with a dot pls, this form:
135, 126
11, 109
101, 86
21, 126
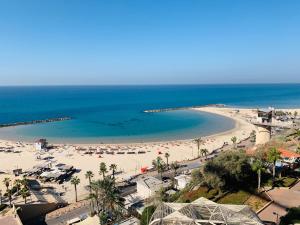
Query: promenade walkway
283, 199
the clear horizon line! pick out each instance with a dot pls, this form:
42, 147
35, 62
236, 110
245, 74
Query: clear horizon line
150, 84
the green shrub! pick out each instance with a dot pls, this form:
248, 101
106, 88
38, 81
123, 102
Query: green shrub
292, 217
237, 198
281, 182
201, 192
146, 215
228, 168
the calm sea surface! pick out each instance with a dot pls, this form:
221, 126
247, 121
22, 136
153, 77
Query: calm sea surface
115, 113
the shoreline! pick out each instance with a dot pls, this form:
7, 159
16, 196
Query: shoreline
124, 141
128, 164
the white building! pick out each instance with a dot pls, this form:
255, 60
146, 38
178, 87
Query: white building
182, 180
40, 144
147, 186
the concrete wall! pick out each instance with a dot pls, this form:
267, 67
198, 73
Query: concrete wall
30, 212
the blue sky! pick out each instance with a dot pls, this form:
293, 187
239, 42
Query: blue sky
149, 41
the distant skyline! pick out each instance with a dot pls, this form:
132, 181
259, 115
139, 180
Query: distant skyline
121, 42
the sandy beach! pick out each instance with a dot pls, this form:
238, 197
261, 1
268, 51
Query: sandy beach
127, 164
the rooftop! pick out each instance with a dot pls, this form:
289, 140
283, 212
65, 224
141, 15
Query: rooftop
287, 153
150, 182
202, 212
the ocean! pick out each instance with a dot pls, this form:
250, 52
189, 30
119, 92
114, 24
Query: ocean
115, 113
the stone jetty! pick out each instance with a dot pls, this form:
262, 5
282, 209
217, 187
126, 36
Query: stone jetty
35, 122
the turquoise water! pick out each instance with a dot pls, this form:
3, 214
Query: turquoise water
115, 113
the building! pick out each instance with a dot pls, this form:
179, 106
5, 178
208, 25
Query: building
182, 180
264, 116
130, 221
263, 125
203, 212
10, 217
84, 221
40, 144
148, 186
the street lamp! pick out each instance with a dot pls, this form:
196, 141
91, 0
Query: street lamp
277, 216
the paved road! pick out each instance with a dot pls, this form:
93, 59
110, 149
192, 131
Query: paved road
186, 165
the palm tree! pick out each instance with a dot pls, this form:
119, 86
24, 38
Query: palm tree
18, 184
89, 175
160, 169
103, 169
159, 165
167, 155
198, 141
234, 140
157, 162
204, 152
75, 181
113, 168
272, 156
9, 195
174, 167
24, 182
6, 181
24, 193
258, 167
106, 196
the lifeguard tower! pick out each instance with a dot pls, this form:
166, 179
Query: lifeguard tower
263, 126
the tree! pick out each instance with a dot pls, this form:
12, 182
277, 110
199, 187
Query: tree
156, 162
234, 140
103, 169
160, 169
9, 195
146, 215
89, 175
174, 167
258, 167
295, 114
113, 168
272, 156
24, 193
204, 152
6, 182
197, 177
231, 169
159, 165
106, 196
292, 217
75, 181
198, 141
167, 155
18, 184
24, 182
